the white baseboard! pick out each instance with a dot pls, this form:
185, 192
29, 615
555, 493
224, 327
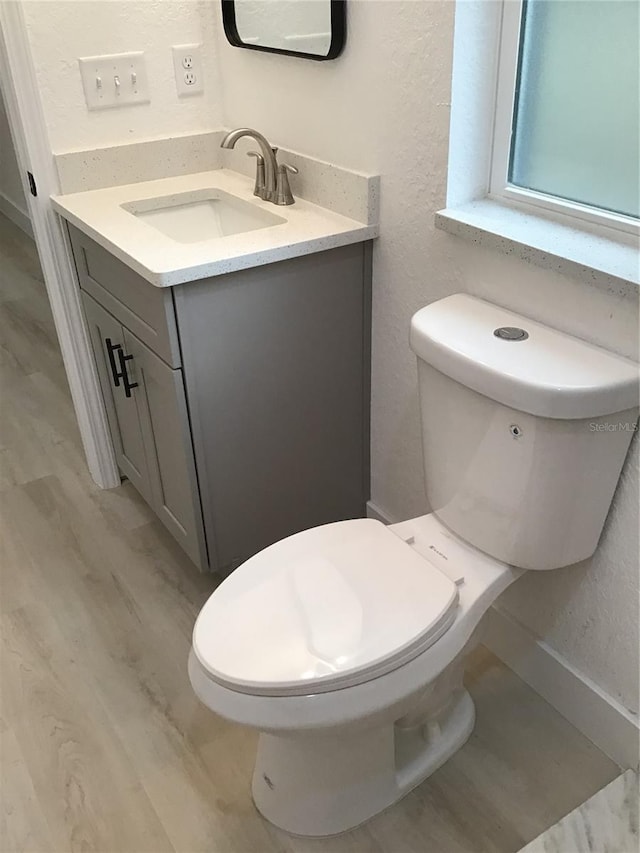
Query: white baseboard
16, 215
374, 511
600, 718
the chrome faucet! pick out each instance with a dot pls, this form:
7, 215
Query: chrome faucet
272, 181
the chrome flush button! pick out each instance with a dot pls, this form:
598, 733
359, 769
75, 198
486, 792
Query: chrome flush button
511, 333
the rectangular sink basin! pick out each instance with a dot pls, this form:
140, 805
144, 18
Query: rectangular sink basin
201, 215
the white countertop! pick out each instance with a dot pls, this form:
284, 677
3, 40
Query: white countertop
165, 262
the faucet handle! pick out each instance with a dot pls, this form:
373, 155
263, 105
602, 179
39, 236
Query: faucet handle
283, 190
259, 186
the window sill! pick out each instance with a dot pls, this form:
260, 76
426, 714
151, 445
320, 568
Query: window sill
604, 261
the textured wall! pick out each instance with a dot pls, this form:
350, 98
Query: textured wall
383, 106
60, 32
10, 184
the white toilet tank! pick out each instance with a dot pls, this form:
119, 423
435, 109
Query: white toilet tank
525, 430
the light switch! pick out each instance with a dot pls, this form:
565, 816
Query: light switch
114, 80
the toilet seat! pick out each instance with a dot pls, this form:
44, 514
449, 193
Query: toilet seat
322, 610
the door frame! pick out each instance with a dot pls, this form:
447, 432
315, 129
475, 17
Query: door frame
28, 127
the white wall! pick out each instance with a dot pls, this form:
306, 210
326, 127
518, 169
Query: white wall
383, 107
61, 32
10, 183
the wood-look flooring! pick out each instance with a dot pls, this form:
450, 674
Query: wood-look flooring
104, 745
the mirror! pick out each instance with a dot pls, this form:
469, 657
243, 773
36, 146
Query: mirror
314, 29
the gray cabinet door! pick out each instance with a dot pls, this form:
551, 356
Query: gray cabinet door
107, 338
164, 422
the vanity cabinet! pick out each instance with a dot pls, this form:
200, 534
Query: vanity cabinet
107, 340
147, 413
248, 414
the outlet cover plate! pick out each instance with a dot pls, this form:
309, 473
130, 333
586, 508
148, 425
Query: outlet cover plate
114, 80
187, 66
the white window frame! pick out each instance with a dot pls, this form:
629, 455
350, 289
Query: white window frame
499, 187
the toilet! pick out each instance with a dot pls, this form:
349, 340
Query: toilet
344, 645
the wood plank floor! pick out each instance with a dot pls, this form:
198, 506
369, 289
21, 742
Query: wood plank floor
104, 746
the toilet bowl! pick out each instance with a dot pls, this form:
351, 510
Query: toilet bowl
351, 718
344, 645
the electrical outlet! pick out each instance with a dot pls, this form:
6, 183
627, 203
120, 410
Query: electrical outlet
187, 66
114, 80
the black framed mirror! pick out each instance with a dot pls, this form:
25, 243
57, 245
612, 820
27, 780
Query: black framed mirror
313, 29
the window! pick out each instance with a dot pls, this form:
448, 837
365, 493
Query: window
567, 124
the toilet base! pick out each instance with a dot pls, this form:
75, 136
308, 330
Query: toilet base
323, 783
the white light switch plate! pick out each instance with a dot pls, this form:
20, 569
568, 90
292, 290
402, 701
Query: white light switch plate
114, 80
187, 65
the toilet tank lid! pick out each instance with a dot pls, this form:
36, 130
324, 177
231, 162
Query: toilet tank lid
545, 372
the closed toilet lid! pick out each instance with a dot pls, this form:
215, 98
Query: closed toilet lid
321, 610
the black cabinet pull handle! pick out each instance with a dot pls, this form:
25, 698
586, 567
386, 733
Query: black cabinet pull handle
123, 373
111, 350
